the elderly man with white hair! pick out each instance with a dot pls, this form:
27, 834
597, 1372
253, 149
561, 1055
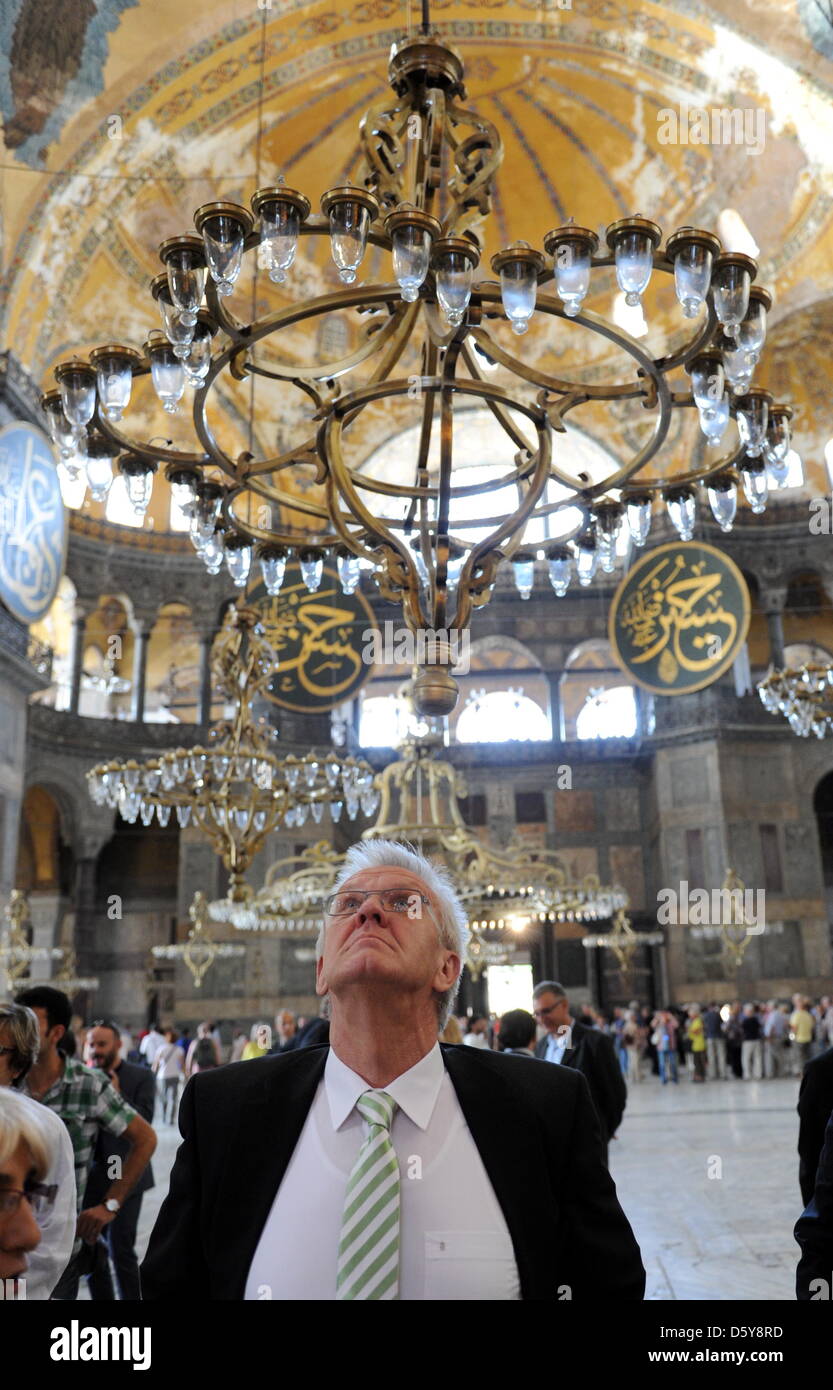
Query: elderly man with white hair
387, 1165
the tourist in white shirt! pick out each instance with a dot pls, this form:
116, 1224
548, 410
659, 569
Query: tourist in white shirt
478, 1032
151, 1043
169, 1066
55, 1215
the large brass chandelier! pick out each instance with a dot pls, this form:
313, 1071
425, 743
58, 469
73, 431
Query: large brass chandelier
236, 789
804, 695
433, 539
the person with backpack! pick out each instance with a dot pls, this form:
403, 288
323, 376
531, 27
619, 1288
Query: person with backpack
203, 1053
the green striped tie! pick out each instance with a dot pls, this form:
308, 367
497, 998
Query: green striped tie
368, 1253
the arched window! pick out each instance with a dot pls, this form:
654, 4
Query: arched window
501, 716
484, 452
384, 721
596, 702
608, 713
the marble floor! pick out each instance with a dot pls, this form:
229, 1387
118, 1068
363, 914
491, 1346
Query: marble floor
707, 1175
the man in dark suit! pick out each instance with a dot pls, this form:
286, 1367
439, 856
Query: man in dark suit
138, 1086
573, 1044
815, 1102
814, 1231
385, 1165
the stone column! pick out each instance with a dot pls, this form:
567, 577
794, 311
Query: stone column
556, 716
204, 695
142, 627
46, 911
76, 655
772, 603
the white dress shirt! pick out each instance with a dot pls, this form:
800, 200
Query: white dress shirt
556, 1047
56, 1222
454, 1241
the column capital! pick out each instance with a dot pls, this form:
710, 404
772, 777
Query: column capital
772, 597
142, 621
82, 609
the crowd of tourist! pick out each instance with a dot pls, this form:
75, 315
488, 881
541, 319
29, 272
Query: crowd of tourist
747, 1041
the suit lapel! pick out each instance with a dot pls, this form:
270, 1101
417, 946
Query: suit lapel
507, 1138
269, 1126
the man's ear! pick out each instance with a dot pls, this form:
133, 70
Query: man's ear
321, 986
447, 971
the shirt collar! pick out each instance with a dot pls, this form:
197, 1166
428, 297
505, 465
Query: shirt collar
415, 1091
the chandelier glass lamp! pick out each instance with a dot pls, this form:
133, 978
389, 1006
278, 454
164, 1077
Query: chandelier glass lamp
804, 695
236, 789
199, 951
429, 331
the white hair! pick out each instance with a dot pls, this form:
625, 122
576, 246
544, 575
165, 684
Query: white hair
20, 1122
451, 917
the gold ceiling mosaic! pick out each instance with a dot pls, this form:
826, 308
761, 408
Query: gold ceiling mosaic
121, 118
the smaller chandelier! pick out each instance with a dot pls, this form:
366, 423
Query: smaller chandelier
236, 790
500, 890
68, 979
735, 928
804, 695
483, 952
624, 942
16, 950
199, 951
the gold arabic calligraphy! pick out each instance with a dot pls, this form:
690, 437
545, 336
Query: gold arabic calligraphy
679, 617
317, 642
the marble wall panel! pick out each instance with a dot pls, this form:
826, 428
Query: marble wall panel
627, 869
620, 807
690, 781
802, 860
575, 811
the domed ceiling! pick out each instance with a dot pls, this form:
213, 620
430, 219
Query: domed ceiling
123, 116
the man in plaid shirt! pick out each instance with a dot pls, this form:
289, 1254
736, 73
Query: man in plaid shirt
87, 1101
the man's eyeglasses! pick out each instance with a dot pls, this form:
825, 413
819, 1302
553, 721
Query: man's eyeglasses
543, 1013
37, 1195
399, 900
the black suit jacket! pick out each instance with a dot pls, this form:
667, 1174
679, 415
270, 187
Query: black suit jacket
138, 1086
815, 1102
814, 1229
534, 1128
316, 1033
593, 1054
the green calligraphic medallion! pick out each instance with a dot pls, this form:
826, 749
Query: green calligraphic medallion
318, 638
33, 525
679, 618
